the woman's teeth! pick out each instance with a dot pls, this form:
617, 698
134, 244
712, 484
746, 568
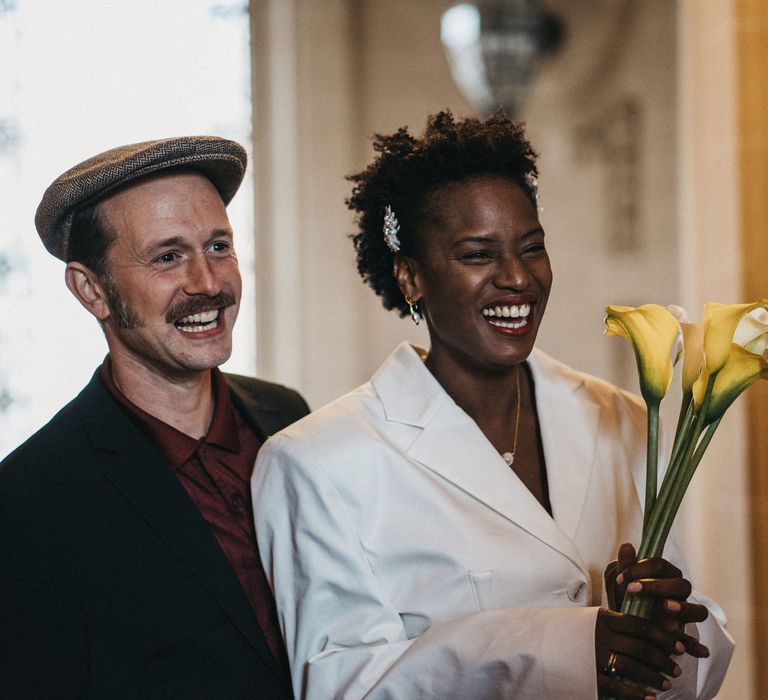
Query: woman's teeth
495, 315
197, 323
516, 311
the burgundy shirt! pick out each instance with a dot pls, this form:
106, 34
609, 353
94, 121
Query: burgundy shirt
215, 470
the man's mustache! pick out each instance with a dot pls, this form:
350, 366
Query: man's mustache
197, 304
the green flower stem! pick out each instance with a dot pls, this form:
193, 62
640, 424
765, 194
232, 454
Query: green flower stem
652, 460
667, 515
687, 416
683, 439
686, 405
652, 544
658, 523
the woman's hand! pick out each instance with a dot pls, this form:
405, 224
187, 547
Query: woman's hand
633, 654
665, 583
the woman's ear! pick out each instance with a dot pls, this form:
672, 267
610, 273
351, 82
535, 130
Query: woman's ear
407, 276
87, 289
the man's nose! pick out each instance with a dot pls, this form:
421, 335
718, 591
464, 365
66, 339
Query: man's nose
202, 277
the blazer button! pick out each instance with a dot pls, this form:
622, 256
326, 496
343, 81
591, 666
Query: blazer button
577, 591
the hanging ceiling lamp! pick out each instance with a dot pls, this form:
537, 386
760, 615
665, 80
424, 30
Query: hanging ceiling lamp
494, 48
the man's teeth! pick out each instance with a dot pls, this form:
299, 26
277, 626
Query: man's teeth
515, 311
204, 321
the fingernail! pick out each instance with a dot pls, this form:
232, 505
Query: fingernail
649, 697
620, 579
673, 606
667, 684
635, 587
677, 671
679, 647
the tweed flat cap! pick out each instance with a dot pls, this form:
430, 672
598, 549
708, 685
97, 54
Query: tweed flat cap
222, 161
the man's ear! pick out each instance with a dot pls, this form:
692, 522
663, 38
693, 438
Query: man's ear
406, 272
85, 285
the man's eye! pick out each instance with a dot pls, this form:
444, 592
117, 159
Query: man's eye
166, 258
220, 246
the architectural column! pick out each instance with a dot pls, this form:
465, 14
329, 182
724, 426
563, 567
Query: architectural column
752, 62
309, 326
716, 510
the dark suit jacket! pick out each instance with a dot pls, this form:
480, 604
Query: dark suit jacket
111, 583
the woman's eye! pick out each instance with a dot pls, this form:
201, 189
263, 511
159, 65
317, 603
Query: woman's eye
535, 249
476, 255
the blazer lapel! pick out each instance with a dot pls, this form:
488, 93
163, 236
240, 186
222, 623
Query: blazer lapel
135, 469
569, 430
453, 446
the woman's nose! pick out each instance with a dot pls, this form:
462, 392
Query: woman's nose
201, 277
511, 273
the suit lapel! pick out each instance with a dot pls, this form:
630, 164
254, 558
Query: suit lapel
453, 446
569, 430
136, 470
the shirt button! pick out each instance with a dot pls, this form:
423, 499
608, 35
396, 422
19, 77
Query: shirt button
577, 591
237, 501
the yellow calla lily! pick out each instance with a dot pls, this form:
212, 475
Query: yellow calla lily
692, 350
653, 331
741, 370
693, 354
722, 357
699, 388
720, 322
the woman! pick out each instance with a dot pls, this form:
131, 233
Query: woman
442, 531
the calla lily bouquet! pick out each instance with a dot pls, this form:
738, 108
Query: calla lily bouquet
721, 357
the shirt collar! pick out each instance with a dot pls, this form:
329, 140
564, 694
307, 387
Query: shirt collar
175, 446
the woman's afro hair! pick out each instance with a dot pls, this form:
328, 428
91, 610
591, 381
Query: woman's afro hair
408, 170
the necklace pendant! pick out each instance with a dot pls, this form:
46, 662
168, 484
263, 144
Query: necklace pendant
508, 457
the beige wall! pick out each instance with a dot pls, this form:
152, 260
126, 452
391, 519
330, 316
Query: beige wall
330, 73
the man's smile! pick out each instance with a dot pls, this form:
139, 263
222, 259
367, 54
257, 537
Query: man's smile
199, 322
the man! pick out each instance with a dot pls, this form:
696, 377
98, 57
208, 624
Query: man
128, 563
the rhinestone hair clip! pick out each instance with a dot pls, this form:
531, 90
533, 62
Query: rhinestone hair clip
391, 229
533, 183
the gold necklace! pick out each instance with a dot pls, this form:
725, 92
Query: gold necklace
509, 457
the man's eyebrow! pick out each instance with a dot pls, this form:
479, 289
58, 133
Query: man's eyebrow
221, 233
165, 243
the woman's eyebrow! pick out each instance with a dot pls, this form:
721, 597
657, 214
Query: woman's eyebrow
491, 239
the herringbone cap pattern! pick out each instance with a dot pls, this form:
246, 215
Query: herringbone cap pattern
222, 161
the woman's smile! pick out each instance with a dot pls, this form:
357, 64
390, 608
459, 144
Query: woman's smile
510, 317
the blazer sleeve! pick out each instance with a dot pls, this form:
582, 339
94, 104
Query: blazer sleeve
43, 644
346, 640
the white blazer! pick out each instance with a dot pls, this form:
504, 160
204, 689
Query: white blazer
409, 561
